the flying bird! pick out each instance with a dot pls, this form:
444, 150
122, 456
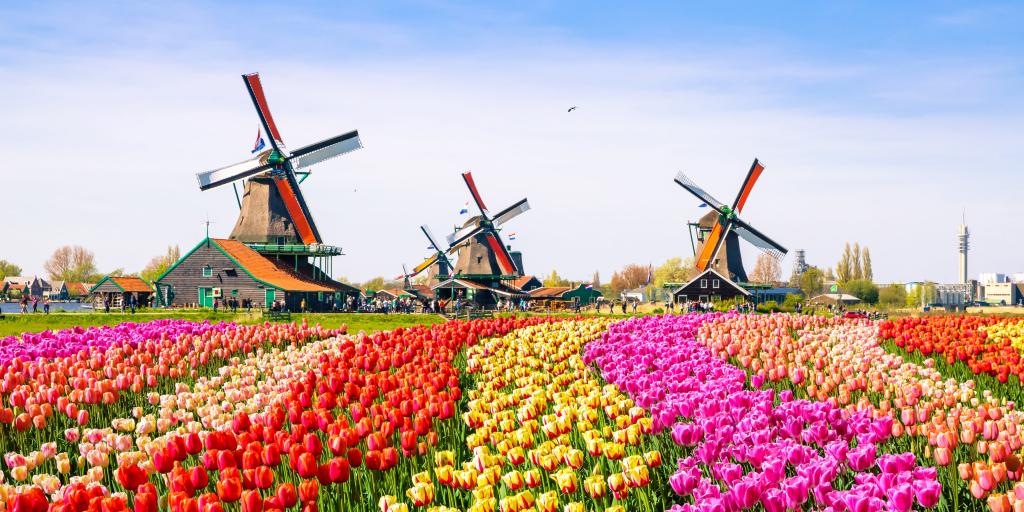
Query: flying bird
572, 108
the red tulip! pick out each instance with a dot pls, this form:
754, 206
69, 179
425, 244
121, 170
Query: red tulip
193, 445
339, 470
229, 490
198, 477
355, 457
131, 476
286, 495
271, 455
264, 477
145, 502
390, 455
308, 491
163, 461
306, 466
252, 501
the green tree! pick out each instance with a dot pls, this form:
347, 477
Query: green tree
792, 299
71, 263
865, 261
811, 282
863, 289
856, 272
844, 269
159, 264
8, 269
921, 294
553, 279
374, 284
674, 270
893, 295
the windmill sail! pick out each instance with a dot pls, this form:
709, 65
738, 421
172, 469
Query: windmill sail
758, 239
235, 172
748, 184
685, 182
325, 150
521, 207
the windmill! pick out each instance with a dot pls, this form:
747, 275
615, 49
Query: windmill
719, 231
440, 257
273, 210
405, 276
481, 250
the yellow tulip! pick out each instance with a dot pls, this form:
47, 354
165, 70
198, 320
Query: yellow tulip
566, 481
444, 458
483, 493
547, 502
385, 502
595, 486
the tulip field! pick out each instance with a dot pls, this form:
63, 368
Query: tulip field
698, 412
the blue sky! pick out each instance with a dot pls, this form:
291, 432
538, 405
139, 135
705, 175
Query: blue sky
879, 123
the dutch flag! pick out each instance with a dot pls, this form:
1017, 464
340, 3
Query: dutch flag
590, 286
260, 144
512, 235
465, 209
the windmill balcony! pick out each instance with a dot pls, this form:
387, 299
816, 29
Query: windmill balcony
296, 249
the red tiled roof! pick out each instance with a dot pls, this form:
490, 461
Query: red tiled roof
424, 290
521, 282
131, 284
78, 288
549, 291
266, 270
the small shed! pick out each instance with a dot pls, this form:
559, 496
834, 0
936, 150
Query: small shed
634, 295
421, 291
78, 290
584, 294
550, 298
709, 286
835, 298
118, 289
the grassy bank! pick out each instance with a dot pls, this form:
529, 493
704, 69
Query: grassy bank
16, 324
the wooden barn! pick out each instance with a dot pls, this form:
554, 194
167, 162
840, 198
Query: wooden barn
584, 294
222, 269
709, 286
117, 290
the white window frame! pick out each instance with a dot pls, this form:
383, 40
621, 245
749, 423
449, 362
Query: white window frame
207, 271
704, 283
714, 284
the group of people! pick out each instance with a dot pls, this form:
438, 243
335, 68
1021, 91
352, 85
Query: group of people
34, 301
233, 305
129, 303
625, 306
510, 305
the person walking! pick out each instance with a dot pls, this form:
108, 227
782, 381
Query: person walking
131, 303
216, 304
46, 306
24, 303
635, 303
106, 305
35, 304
